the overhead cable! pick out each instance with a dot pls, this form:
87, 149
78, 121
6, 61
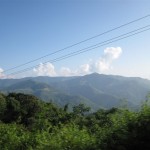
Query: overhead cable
70, 46
112, 40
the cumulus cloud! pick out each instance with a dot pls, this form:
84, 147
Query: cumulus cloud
45, 70
1, 73
84, 69
64, 71
112, 52
5, 76
104, 63
101, 65
81, 70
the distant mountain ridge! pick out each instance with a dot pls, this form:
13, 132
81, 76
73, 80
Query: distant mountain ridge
95, 90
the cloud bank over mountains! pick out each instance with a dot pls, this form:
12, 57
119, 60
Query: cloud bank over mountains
102, 65
45, 70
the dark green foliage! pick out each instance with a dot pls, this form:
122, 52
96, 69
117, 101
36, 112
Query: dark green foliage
2, 105
81, 109
26, 123
21, 108
13, 111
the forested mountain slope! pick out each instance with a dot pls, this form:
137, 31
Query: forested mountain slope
95, 90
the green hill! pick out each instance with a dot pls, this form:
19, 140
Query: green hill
95, 90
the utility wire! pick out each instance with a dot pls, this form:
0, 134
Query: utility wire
77, 43
112, 40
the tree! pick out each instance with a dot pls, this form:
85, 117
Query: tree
80, 109
2, 105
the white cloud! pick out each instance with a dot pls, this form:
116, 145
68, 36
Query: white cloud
102, 65
45, 70
6, 76
84, 69
1, 73
112, 52
65, 71
105, 62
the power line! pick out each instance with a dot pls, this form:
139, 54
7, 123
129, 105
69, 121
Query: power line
112, 40
84, 50
77, 43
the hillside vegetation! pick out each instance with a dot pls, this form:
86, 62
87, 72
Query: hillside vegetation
27, 123
94, 90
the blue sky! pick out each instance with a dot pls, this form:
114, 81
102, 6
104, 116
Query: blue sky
30, 29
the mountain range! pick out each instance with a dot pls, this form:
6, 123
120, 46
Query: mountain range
94, 90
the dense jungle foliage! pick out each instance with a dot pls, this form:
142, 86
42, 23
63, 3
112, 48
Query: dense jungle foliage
27, 123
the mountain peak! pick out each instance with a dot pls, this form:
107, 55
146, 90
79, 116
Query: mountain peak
100, 89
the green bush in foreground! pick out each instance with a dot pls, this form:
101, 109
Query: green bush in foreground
27, 123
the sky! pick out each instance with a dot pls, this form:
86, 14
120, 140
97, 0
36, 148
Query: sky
31, 29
